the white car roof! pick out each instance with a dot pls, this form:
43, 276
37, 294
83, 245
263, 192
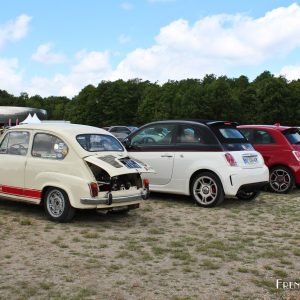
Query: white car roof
70, 129
68, 132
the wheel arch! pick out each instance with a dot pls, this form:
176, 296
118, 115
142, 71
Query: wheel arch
47, 187
199, 172
281, 165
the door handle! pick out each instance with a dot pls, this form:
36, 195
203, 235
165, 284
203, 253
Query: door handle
166, 155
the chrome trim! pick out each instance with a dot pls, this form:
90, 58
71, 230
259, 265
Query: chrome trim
109, 199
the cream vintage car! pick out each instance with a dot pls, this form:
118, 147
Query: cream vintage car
67, 167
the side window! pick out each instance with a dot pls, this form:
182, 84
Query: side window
263, 137
160, 134
48, 146
15, 143
190, 135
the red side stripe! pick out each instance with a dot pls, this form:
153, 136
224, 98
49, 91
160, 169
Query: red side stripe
16, 191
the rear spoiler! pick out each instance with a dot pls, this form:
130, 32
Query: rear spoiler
216, 123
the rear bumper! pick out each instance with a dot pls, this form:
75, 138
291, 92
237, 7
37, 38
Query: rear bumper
253, 187
245, 178
109, 199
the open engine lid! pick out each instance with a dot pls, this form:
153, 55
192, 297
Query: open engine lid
118, 165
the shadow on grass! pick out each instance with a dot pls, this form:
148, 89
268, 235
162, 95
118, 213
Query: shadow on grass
21, 209
30, 210
181, 200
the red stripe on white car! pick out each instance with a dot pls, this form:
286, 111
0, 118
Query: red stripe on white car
17, 191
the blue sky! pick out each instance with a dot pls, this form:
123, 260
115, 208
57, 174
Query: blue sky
53, 47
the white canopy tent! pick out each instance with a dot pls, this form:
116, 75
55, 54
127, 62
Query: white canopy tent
31, 120
35, 119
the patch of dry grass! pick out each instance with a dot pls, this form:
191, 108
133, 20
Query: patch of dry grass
168, 249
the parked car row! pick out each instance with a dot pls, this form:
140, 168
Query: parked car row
121, 132
185, 155
67, 166
208, 160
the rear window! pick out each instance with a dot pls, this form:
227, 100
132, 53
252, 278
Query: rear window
231, 133
99, 142
232, 139
292, 136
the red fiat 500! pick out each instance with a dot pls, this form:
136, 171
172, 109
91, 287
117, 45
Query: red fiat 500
280, 148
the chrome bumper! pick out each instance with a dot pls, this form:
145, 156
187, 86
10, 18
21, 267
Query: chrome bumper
109, 199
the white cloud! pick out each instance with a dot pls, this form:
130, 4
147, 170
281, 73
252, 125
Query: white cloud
291, 72
92, 62
126, 6
10, 76
92, 67
14, 30
214, 44
43, 55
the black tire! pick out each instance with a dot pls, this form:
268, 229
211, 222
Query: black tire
242, 195
207, 190
57, 205
281, 180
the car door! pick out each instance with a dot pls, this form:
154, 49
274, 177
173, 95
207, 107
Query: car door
154, 144
194, 144
13, 156
264, 142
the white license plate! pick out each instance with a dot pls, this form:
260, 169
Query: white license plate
250, 160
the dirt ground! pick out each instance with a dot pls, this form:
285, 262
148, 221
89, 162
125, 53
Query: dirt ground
168, 249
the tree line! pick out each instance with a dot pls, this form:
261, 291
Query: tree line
266, 100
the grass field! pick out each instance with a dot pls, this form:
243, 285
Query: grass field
168, 249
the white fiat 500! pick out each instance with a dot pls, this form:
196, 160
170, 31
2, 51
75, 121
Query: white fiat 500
67, 167
208, 160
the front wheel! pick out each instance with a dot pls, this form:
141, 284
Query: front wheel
57, 205
242, 195
281, 180
207, 190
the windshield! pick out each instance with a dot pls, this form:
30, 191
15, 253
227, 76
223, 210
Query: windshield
99, 142
293, 137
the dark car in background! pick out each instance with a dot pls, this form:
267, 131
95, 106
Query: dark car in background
120, 132
279, 146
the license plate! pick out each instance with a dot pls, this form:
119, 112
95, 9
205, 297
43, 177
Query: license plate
250, 160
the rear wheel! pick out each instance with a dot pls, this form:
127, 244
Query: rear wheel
207, 190
281, 180
242, 195
57, 205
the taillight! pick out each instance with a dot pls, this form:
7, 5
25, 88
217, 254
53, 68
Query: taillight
146, 183
94, 189
297, 155
230, 159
